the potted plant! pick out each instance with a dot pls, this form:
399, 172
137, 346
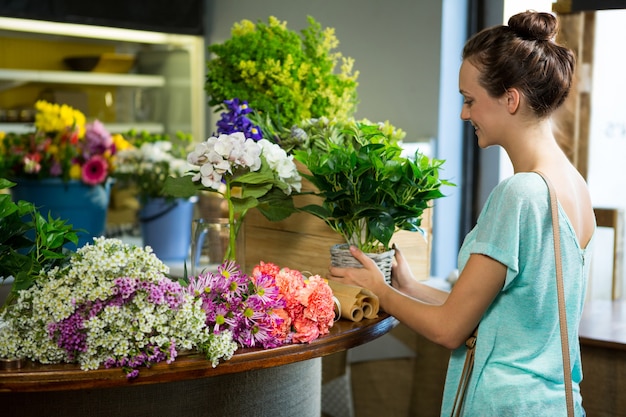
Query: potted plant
369, 189
142, 166
285, 76
62, 166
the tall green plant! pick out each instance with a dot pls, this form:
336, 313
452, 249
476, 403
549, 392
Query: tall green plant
285, 76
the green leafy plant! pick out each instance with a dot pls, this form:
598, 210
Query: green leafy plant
286, 77
30, 244
369, 189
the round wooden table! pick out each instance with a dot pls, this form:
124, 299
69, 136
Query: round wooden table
283, 381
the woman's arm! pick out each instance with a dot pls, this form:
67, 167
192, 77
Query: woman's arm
446, 319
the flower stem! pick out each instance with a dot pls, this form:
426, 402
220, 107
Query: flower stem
231, 252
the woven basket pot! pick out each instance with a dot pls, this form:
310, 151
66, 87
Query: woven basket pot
340, 256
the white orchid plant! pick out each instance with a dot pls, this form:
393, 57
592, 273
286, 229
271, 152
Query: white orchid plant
248, 173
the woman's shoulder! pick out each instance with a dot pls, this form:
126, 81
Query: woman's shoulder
522, 186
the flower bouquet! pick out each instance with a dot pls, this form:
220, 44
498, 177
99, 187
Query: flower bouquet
62, 146
284, 75
148, 159
141, 170
248, 173
113, 305
63, 167
271, 307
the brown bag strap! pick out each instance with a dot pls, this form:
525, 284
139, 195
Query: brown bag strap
470, 343
567, 370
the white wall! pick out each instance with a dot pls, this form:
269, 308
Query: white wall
395, 45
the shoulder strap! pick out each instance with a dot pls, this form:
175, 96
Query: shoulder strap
567, 370
468, 366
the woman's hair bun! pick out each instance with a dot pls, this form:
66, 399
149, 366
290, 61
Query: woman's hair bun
532, 25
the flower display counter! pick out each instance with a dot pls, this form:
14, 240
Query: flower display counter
602, 334
254, 382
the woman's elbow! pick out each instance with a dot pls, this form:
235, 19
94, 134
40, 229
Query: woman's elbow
450, 339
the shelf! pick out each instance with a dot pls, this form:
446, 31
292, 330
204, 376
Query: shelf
171, 65
12, 78
111, 127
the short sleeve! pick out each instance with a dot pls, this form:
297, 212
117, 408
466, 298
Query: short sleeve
512, 221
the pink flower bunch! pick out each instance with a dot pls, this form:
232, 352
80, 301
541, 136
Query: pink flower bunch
272, 307
309, 305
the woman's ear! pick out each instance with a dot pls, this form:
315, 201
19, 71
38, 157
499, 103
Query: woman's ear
513, 99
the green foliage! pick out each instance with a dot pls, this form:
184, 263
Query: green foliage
369, 189
30, 244
285, 77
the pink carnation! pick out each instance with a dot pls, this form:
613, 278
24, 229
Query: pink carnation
290, 282
306, 330
309, 307
317, 297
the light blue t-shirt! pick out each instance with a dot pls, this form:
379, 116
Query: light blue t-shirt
518, 368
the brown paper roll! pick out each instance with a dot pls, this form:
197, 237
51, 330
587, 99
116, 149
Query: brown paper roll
369, 303
337, 308
356, 303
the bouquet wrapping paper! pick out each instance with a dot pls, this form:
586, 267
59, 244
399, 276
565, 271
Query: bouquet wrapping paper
355, 303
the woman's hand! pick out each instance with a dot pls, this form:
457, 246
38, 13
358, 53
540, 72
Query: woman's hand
370, 276
402, 277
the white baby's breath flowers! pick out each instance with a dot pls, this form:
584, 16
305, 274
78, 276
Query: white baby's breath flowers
118, 330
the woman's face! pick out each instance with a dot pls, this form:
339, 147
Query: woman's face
483, 111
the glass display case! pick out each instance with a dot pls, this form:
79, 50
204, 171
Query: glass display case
126, 78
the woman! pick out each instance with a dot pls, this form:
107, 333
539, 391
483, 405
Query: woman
512, 78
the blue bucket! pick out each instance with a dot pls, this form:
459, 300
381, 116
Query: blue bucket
83, 206
166, 227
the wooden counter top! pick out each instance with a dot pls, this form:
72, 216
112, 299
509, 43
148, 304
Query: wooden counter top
603, 324
34, 377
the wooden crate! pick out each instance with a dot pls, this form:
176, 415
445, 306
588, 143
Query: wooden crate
303, 242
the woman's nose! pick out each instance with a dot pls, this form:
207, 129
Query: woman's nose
465, 114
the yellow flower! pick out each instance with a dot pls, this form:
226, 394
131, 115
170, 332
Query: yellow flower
242, 28
53, 149
52, 117
273, 22
121, 143
76, 172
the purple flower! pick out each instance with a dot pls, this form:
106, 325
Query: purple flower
232, 301
97, 139
235, 120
